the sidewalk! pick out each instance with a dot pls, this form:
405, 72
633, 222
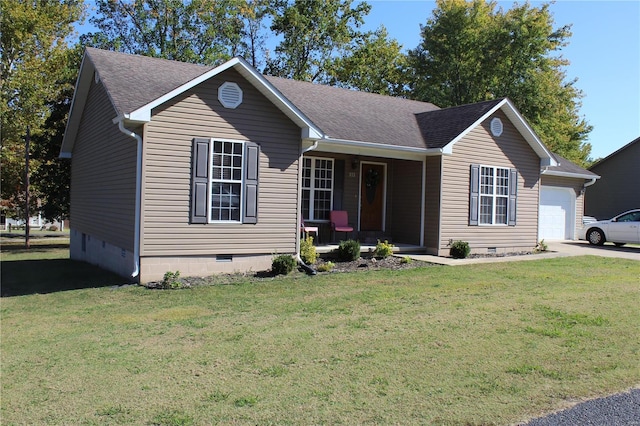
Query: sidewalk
555, 249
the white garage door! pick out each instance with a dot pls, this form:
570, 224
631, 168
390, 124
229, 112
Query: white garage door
557, 213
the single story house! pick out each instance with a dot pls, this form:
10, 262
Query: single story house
617, 190
178, 166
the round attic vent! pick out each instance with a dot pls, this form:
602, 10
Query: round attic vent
230, 95
496, 127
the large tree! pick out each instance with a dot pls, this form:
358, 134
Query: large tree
374, 64
313, 33
51, 179
197, 31
34, 54
473, 51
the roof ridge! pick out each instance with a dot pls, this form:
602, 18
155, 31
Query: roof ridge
348, 90
129, 56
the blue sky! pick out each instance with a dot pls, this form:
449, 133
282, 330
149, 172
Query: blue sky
604, 53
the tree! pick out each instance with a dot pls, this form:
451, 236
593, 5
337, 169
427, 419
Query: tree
33, 48
472, 51
253, 13
53, 176
314, 32
375, 64
196, 31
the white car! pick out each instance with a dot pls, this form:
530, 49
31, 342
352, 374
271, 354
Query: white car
621, 229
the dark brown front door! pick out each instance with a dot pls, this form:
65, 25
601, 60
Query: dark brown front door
371, 197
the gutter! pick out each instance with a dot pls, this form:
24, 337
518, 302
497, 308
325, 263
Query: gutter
136, 232
586, 184
308, 269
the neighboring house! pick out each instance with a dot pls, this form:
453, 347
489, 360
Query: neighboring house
178, 166
617, 191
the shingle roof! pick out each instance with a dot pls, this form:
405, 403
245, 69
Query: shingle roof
567, 167
442, 126
357, 116
133, 81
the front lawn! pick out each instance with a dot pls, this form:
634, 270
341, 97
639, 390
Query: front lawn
478, 344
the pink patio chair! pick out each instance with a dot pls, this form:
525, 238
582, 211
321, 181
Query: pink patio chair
307, 229
339, 222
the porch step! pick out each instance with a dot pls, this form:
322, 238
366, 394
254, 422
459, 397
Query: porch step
372, 237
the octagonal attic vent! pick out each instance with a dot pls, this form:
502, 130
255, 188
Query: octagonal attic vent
230, 95
496, 127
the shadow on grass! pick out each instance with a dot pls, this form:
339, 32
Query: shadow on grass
20, 278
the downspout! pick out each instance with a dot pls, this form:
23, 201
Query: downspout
136, 232
308, 269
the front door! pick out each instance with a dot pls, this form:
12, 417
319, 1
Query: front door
372, 182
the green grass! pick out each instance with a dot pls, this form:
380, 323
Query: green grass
478, 344
45, 267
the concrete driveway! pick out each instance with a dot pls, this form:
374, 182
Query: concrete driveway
583, 248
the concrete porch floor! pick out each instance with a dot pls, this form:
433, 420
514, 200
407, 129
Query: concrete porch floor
398, 249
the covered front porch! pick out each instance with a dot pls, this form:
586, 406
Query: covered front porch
384, 196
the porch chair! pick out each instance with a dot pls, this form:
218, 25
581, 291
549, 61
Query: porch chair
339, 222
307, 229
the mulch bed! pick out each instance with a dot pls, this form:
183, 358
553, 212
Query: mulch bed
366, 263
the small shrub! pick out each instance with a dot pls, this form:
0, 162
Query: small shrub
326, 267
540, 247
308, 250
348, 250
383, 250
283, 264
406, 259
171, 280
459, 249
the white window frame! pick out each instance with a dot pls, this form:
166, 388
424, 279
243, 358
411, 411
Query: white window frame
312, 189
213, 180
494, 195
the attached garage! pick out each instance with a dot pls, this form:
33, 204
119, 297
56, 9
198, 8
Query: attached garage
562, 200
557, 217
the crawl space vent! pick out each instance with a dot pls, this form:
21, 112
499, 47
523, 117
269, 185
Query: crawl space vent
496, 127
230, 95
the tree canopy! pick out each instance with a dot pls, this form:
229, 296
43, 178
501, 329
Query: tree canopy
33, 46
473, 51
374, 64
314, 33
197, 31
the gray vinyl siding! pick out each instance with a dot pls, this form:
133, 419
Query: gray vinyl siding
617, 189
405, 196
576, 185
509, 150
103, 175
167, 165
432, 204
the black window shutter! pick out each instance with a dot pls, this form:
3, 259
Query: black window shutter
513, 195
338, 184
200, 180
251, 161
474, 194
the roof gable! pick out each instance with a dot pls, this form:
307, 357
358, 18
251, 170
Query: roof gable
445, 127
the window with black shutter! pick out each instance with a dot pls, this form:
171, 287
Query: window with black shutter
224, 184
